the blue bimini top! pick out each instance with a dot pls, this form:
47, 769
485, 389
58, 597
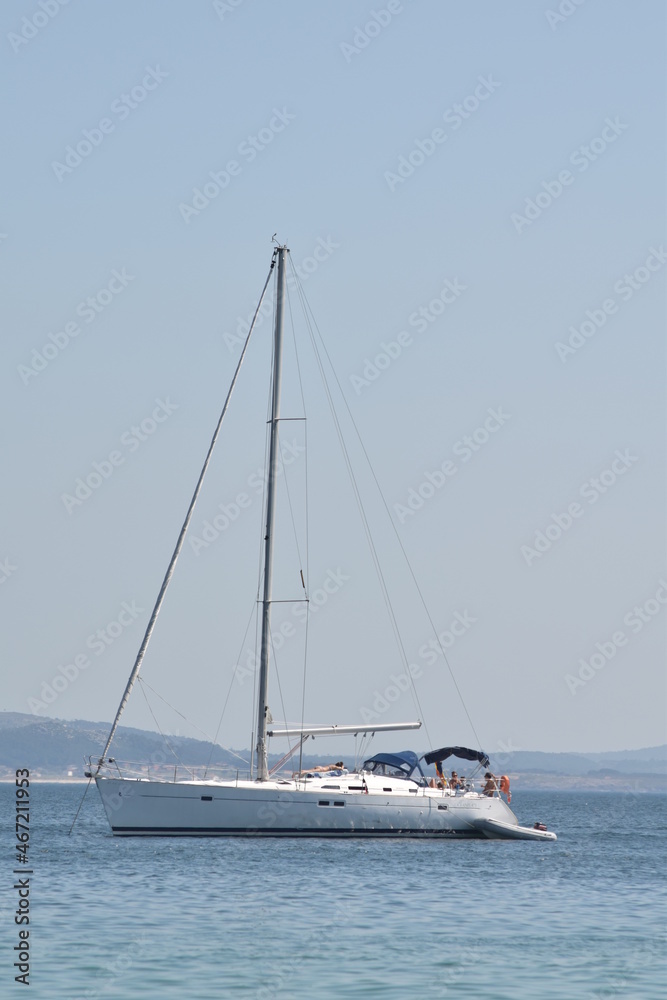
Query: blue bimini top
395, 765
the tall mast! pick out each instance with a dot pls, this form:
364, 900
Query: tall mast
274, 460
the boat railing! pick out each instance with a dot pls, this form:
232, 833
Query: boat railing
161, 771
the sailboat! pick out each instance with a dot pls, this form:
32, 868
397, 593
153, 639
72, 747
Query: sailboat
388, 795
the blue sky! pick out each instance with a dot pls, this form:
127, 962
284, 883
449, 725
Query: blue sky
498, 167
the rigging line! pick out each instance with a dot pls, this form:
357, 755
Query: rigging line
280, 690
144, 683
254, 677
260, 551
305, 432
364, 520
390, 610
306, 582
181, 538
303, 403
214, 741
291, 510
167, 743
85, 792
393, 525
303, 689
296, 351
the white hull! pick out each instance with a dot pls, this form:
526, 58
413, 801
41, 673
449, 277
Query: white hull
144, 807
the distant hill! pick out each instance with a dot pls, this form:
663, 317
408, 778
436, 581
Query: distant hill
652, 760
55, 748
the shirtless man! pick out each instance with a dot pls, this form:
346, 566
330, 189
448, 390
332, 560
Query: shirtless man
491, 785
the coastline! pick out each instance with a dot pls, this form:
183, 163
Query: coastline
641, 784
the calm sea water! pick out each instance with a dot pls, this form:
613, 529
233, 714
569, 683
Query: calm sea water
168, 918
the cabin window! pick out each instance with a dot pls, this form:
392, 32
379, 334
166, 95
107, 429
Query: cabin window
322, 803
330, 787
207, 798
387, 789
442, 807
339, 803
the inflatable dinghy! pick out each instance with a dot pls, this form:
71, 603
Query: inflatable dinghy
496, 828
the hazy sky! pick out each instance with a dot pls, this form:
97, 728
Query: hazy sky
474, 195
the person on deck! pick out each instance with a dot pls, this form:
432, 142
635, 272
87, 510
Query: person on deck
491, 785
441, 779
320, 768
455, 782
